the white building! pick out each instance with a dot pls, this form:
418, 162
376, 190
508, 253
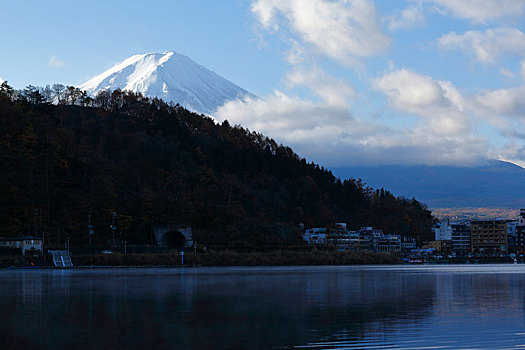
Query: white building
511, 227
521, 217
443, 231
26, 244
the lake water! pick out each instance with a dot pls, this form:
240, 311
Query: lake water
371, 307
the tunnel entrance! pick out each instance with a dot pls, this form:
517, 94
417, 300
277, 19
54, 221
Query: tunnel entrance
173, 239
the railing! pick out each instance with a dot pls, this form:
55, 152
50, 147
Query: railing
61, 258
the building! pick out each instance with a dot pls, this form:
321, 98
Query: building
389, 243
521, 218
315, 236
348, 240
511, 235
520, 239
27, 245
520, 233
489, 236
443, 231
336, 235
443, 247
408, 243
369, 238
460, 238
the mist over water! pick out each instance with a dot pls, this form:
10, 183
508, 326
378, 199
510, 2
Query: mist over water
401, 307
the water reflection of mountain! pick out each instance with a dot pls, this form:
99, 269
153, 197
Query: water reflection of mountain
256, 308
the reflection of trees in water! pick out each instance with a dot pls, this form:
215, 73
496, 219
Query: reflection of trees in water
269, 309
102, 308
370, 302
258, 309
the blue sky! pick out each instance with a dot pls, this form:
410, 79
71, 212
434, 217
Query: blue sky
341, 81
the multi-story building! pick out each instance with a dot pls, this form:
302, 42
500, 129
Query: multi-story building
460, 238
444, 247
443, 231
511, 235
27, 244
369, 238
408, 243
521, 218
389, 243
336, 235
520, 239
348, 241
520, 233
488, 236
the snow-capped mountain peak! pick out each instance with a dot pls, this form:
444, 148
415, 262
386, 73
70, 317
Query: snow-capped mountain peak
170, 76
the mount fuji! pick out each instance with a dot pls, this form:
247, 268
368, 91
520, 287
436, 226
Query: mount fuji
170, 76
494, 184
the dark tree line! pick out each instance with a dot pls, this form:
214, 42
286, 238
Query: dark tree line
64, 154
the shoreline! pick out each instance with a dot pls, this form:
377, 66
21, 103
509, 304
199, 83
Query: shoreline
233, 258
213, 258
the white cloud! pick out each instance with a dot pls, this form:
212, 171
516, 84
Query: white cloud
342, 30
504, 111
296, 54
486, 46
481, 11
55, 62
503, 102
443, 123
332, 91
408, 18
444, 112
429, 121
523, 70
327, 131
289, 118
409, 91
333, 136
507, 73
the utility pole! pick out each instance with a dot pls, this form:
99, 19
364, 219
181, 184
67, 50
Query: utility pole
113, 227
35, 216
90, 227
194, 253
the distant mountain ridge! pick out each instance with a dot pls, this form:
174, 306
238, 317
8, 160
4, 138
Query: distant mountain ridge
497, 184
170, 76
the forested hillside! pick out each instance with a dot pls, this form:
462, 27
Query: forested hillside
149, 162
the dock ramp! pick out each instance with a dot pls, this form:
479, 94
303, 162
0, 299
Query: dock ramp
61, 258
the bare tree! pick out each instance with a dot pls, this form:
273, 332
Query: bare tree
59, 93
102, 99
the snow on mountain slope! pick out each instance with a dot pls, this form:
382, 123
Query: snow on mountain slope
170, 76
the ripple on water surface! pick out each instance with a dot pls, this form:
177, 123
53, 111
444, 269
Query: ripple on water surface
369, 307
